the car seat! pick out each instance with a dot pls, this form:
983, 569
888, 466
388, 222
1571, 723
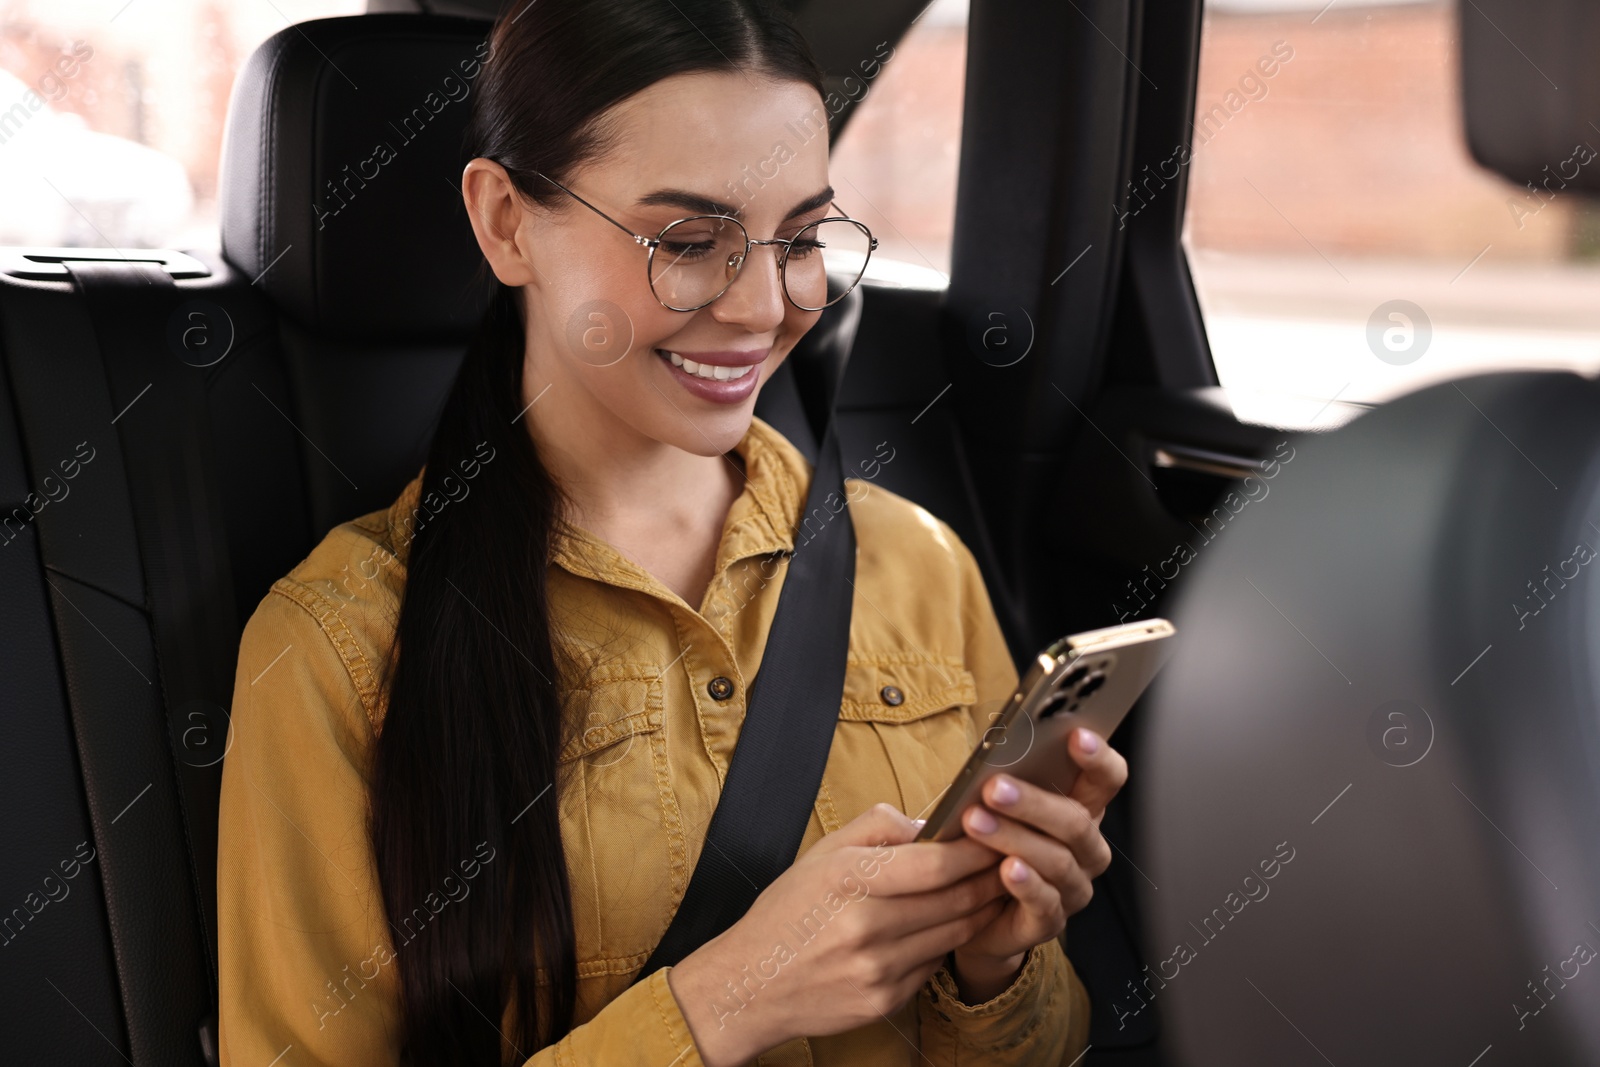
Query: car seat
1372, 774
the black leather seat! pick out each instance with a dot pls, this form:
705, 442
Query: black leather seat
1372, 773
175, 434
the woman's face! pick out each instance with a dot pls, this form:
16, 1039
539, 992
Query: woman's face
692, 144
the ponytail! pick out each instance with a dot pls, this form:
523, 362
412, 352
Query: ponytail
472, 729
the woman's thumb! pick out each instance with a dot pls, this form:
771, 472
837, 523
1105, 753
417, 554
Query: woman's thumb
881, 824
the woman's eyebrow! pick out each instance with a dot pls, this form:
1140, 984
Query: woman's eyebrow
811, 203
704, 205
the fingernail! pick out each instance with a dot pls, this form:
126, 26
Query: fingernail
1090, 743
1019, 871
919, 822
982, 821
1005, 791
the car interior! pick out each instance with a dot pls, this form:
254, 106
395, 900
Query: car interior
180, 426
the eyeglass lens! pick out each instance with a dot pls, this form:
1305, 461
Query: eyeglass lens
698, 258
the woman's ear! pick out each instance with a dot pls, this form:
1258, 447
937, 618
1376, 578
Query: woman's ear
495, 208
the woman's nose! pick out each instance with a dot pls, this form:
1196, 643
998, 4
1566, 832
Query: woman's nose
755, 299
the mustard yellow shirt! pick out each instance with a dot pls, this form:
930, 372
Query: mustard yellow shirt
308, 962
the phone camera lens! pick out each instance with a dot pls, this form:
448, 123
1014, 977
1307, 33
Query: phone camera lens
1095, 681
1074, 676
1057, 703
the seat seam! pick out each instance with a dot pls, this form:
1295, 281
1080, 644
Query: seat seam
137, 605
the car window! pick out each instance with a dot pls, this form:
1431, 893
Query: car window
111, 115
894, 167
1342, 240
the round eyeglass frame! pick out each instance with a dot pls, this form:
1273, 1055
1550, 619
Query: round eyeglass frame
653, 243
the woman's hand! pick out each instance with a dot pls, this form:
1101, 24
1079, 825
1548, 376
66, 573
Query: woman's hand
1053, 849
842, 938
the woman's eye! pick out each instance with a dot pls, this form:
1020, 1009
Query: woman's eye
687, 249
804, 247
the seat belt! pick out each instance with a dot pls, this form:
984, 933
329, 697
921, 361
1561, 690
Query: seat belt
183, 549
789, 721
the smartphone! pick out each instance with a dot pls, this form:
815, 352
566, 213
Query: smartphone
1090, 679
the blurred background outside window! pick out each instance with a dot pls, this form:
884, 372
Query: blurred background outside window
1341, 183
111, 115
895, 165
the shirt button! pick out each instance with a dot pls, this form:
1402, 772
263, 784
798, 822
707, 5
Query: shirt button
720, 688
891, 695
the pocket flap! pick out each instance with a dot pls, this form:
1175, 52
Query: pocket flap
922, 685
618, 703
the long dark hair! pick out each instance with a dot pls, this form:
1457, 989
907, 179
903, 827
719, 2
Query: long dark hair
473, 723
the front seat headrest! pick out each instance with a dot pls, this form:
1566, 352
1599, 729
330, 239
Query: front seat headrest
1372, 777
341, 166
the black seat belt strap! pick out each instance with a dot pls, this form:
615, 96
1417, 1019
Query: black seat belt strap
165, 433
790, 717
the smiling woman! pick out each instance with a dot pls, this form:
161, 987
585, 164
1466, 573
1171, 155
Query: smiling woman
555, 668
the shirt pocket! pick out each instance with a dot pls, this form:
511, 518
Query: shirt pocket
905, 729
620, 823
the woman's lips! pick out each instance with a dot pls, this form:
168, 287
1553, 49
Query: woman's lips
726, 389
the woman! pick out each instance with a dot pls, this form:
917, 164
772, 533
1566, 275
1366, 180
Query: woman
478, 736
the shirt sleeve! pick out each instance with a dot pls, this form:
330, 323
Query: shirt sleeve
1042, 1018
305, 959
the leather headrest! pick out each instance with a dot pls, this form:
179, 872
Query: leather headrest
341, 168
1377, 733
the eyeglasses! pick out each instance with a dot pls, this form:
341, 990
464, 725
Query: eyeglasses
694, 260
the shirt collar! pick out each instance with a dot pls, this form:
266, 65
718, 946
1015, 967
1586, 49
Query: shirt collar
761, 521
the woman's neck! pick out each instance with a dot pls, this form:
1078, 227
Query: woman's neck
659, 505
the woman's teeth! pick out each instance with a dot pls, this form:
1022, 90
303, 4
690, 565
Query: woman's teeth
707, 370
